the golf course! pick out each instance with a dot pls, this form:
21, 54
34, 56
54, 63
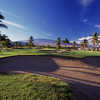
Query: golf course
74, 72
49, 49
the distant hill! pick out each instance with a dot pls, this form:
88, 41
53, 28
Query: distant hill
45, 42
42, 42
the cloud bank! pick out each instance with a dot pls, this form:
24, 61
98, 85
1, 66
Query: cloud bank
14, 24
8, 13
87, 38
86, 3
97, 26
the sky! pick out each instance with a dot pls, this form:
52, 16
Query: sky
49, 19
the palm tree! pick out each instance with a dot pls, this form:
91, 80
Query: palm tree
66, 41
17, 44
58, 43
84, 43
1, 16
95, 40
5, 41
3, 37
74, 44
1, 24
31, 41
8, 43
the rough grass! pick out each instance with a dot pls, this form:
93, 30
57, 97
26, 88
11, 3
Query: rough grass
79, 54
33, 87
47, 51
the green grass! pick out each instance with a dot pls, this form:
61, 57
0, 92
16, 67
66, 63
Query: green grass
14, 52
37, 87
33, 87
47, 51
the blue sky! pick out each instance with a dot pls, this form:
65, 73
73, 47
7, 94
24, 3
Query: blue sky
50, 19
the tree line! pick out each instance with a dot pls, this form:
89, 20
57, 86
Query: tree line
83, 44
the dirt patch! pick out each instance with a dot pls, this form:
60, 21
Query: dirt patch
82, 74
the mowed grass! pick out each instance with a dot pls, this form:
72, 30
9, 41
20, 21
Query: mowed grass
48, 51
79, 54
37, 87
33, 87
14, 52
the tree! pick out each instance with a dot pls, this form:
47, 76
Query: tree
74, 44
3, 26
26, 44
58, 43
8, 43
66, 41
31, 44
3, 37
17, 44
5, 41
95, 40
84, 43
1, 23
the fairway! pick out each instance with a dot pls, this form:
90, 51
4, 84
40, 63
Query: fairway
48, 51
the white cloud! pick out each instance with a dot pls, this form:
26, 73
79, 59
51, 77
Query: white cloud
14, 24
84, 8
89, 38
97, 26
85, 3
82, 38
85, 20
43, 34
8, 13
48, 34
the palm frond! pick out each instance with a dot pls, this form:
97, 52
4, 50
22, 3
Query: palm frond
2, 17
3, 26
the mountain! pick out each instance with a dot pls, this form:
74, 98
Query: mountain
45, 42
40, 42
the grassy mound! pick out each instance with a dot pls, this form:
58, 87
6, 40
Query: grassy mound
33, 87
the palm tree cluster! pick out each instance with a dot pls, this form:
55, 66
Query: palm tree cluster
84, 44
94, 40
65, 42
5, 41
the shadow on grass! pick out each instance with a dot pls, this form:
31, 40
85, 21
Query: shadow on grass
28, 64
82, 89
85, 91
92, 61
